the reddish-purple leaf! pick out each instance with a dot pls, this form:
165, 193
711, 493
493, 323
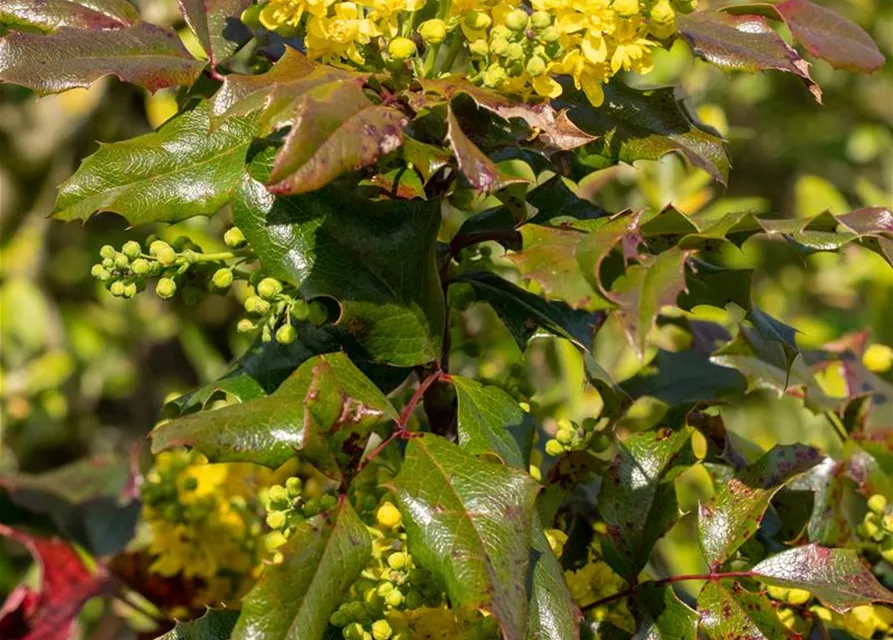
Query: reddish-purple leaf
144, 54
480, 171
208, 19
837, 577
336, 129
49, 15
65, 585
742, 43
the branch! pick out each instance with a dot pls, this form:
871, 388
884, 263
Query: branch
692, 576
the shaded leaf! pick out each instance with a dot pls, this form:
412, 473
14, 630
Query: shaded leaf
645, 125
180, 171
491, 421
684, 377
727, 612
662, 615
88, 500
143, 54
326, 410
552, 611
469, 522
211, 21
775, 331
48, 15
742, 43
49, 613
426, 159
523, 312
215, 624
335, 129
638, 497
480, 171
837, 577
377, 259
734, 513
294, 599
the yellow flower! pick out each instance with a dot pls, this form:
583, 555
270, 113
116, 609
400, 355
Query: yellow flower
280, 12
386, 13
338, 36
587, 76
631, 50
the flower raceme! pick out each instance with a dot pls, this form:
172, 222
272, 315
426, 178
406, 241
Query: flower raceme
515, 47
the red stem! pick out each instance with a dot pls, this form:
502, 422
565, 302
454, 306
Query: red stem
691, 576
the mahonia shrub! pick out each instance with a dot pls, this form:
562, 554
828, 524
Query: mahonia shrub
390, 166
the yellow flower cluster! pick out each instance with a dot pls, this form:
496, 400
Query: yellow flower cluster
591, 583
202, 522
514, 46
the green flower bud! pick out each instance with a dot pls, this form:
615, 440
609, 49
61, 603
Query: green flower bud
256, 305
477, 20
157, 246
550, 34
140, 267
384, 588
541, 19
107, 251
172, 512
245, 326
516, 20
494, 76
433, 31
190, 483
353, 631
100, 273
401, 48
311, 508
276, 519
108, 263
318, 314
117, 288
300, 310
130, 290
887, 522
275, 539
269, 288
251, 16
413, 599
166, 288
479, 47
222, 278
686, 6
286, 334
515, 51
662, 13
132, 249
294, 486
536, 66
328, 501
600, 442
626, 8
877, 504
554, 448
564, 436
501, 31
499, 46
872, 525
381, 630
121, 261
167, 256
887, 551
338, 619
233, 238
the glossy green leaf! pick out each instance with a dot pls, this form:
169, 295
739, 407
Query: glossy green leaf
211, 21
662, 615
426, 159
377, 259
49, 15
775, 331
143, 54
523, 312
294, 599
180, 171
326, 411
644, 290
215, 624
491, 421
469, 521
684, 377
480, 171
734, 513
742, 43
552, 612
645, 125
335, 129
638, 497
728, 611
837, 577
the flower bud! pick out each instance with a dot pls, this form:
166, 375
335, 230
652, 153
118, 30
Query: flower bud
499, 46
540, 19
293, 486
394, 598
269, 288
554, 448
515, 51
245, 326
276, 519
878, 358
477, 20
317, 313
121, 261
877, 504
233, 238
479, 47
397, 560
107, 251
157, 246
275, 539
140, 267
564, 436
256, 305
401, 48
300, 310
166, 288
130, 290
516, 20
433, 31
222, 278
626, 8
599, 443
685, 6
117, 289
166, 256
132, 249
662, 13
536, 66
381, 630
100, 273
494, 76
388, 515
550, 34
251, 16
286, 334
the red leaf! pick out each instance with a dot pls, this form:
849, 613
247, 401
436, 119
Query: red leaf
65, 585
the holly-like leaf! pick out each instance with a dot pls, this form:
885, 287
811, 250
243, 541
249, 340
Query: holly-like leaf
65, 585
734, 513
552, 612
730, 611
49, 15
646, 288
469, 521
294, 599
683, 378
335, 129
491, 421
480, 171
645, 125
87, 500
662, 615
143, 54
215, 624
180, 171
211, 21
377, 259
326, 410
837, 577
742, 43
638, 496
523, 312
775, 331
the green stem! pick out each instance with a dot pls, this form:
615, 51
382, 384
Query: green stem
452, 53
430, 60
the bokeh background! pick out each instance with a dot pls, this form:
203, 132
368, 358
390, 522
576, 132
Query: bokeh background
84, 373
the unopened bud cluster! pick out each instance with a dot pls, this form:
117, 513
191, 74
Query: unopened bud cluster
877, 525
571, 436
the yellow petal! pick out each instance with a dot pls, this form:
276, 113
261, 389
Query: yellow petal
593, 90
546, 87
